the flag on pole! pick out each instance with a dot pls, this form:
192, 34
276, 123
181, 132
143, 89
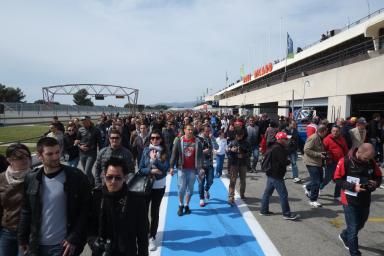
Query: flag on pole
289, 47
226, 77
242, 73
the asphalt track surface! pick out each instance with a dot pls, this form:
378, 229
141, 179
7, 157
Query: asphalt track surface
220, 229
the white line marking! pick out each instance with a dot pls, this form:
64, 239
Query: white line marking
258, 232
162, 217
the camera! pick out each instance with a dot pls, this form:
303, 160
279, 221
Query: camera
102, 247
107, 248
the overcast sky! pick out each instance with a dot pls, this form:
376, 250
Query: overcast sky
171, 50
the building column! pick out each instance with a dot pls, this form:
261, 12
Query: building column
338, 107
256, 110
283, 111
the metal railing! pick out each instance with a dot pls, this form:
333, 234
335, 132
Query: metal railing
21, 107
340, 58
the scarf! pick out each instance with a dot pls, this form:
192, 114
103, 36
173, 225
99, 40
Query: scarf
15, 177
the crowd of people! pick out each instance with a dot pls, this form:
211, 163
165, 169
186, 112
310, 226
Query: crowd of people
80, 195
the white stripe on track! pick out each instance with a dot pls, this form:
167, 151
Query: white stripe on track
162, 217
258, 232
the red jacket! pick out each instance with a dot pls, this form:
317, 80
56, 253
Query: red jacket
336, 148
340, 177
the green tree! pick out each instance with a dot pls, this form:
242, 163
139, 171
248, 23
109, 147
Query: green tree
44, 102
11, 94
80, 98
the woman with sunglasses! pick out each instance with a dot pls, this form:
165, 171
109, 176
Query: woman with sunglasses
11, 194
154, 161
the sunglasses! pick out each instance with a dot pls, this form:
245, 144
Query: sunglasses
114, 138
155, 138
70, 130
110, 178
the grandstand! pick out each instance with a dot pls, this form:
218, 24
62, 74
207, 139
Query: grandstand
339, 75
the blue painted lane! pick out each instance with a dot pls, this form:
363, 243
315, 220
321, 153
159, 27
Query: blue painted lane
216, 229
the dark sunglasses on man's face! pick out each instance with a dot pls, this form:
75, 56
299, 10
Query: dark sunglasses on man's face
109, 178
114, 138
155, 138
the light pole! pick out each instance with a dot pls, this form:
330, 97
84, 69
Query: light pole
306, 83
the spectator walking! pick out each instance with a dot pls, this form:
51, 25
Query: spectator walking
155, 162
292, 147
53, 217
274, 164
358, 176
89, 140
220, 153
117, 219
314, 155
205, 182
187, 153
336, 148
71, 151
253, 139
359, 133
238, 157
11, 195
140, 141
116, 150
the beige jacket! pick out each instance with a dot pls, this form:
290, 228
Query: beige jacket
312, 151
356, 138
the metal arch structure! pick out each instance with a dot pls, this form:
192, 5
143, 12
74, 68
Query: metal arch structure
93, 90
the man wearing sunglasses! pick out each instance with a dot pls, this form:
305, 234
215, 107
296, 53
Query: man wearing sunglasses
117, 220
116, 150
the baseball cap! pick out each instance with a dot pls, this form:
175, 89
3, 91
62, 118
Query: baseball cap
361, 120
281, 136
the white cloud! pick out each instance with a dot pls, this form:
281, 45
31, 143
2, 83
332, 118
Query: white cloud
171, 50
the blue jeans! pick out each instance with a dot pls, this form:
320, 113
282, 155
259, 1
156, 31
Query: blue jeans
293, 159
87, 164
328, 176
186, 181
316, 174
281, 189
255, 154
355, 218
206, 182
51, 250
219, 165
74, 162
8, 243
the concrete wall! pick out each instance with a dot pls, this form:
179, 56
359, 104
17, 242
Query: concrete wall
335, 84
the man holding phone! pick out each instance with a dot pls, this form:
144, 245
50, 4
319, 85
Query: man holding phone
358, 175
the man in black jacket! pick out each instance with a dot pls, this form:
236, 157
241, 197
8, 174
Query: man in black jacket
274, 164
54, 213
89, 140
238, 159
118, 219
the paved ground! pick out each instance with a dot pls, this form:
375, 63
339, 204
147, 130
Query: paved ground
316, 233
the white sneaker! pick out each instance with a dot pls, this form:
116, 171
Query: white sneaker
152, 244
296, 180
306, 191
315, 204
202, 203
